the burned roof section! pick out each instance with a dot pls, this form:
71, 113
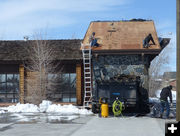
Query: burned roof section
63, 49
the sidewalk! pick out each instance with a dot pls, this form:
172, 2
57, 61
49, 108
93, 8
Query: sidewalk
4, 126
128, 126
86, 126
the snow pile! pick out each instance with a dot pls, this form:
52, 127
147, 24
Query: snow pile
46, 106
85, 112
23, 108
2, 111
67, 109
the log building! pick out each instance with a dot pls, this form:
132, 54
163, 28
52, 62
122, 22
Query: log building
121, 53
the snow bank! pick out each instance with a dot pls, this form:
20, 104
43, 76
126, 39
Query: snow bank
46, 106
67, 109
2, 111
23, 108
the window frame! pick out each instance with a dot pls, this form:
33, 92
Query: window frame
66, 89
14, 80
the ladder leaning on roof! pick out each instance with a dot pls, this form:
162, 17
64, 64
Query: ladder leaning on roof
86, 52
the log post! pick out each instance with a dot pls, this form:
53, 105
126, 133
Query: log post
78, 84
21, 84
178, 62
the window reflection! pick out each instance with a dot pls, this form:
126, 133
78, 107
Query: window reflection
73, 80
9, 87
65, 98
65, 78
2, 87
73, 99
2, 77
9, 77
16, 77
64, 86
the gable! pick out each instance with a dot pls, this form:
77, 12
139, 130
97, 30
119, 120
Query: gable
122, 35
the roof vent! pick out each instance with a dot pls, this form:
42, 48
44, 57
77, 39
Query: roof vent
26, 38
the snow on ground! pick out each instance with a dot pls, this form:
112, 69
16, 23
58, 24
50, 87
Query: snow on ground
45, 106
59, 118
67, 109
41, 117
23, 108
2, 111
19, 116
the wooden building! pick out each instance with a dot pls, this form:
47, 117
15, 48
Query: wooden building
121, 52
14, 76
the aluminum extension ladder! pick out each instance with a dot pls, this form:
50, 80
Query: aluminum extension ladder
86, 52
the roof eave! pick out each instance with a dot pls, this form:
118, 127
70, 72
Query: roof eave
129, 51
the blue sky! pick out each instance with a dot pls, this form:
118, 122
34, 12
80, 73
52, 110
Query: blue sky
66, 19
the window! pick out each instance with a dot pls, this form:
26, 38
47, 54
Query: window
9, 87
62, 87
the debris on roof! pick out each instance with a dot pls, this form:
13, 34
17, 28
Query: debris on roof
122, 35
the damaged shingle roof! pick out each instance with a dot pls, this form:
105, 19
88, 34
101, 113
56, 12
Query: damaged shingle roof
64, 49
122, 35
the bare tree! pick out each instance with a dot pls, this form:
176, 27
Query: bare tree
40, 66
155, 70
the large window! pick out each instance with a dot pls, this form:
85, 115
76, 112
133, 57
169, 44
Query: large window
9, 87
62, 87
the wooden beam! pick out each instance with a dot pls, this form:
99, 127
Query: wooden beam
135, 51
21, 83
78, 84
178, 62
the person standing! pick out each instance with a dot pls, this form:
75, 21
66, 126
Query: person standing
165, 93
